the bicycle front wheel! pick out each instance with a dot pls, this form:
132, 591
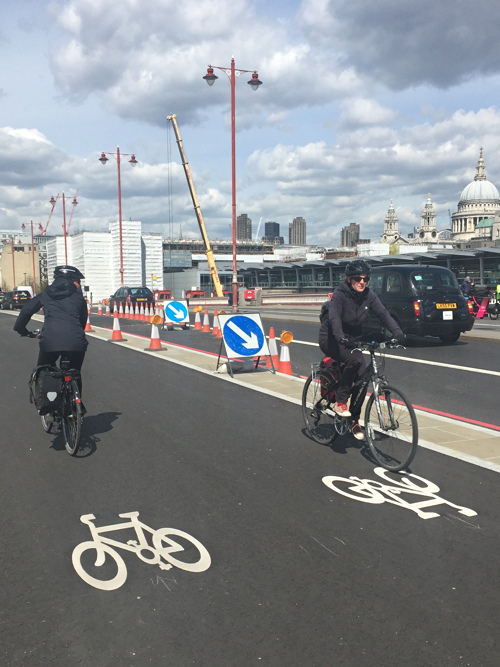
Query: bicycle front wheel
392, 435
318, 416
71, 417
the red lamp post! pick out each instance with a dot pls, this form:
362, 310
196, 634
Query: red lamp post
23, 227
254, 82
53, 201
103, 159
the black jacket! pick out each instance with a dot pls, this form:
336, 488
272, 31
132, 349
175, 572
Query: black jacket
65, 317
347, 312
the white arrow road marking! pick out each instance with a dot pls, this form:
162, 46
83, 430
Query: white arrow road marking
177, 313
250, 340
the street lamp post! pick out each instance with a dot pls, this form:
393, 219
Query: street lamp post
103, 159
254, 82
53, 201
23, 226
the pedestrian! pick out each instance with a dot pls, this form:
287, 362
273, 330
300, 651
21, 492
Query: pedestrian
466, 286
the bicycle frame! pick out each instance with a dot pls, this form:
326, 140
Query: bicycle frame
135, 546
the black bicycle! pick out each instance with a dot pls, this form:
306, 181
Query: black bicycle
69, 415
391, 427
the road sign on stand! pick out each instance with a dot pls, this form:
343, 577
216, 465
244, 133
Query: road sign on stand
176, 312
243, 336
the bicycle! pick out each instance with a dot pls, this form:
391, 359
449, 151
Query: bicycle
391, 427
69, 415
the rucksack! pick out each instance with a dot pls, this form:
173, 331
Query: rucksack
46, 388
323, 315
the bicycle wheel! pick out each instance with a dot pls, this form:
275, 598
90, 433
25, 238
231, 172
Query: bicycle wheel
71, 417
318, 416
392, 438
195, 561
48, 423
117, 574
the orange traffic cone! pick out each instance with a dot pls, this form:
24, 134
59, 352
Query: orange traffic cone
137, 315
206, 324
141, 312
108, 313
273, 351
197, 321
155, 343
285, 365
99, 308
117, 334
215, 327
87, 326
120, 311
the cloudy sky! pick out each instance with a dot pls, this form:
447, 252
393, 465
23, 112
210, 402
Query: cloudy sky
361, 103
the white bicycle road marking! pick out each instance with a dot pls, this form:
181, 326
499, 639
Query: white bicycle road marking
163, 547
373, 491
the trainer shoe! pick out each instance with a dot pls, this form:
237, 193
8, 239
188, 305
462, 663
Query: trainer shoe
341, 409
357, 432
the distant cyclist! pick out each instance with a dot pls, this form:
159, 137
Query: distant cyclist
65, 317
350, 305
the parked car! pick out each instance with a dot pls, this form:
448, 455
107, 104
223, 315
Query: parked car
14, 300
424, 300
132, 295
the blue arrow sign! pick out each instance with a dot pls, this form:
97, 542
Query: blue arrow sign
176, 311
244, 335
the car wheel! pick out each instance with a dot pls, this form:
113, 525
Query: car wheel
451, 338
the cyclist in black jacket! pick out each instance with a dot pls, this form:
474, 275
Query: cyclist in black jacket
349, 307
65, 317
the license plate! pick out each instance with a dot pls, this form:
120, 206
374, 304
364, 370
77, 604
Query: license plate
447, 315
445, 306
140, 298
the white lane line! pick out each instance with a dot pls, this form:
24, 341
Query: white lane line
422, 361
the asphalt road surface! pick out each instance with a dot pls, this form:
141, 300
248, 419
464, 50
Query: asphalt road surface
289, 566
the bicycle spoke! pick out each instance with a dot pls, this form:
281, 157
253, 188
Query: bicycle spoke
392, 434
318, 416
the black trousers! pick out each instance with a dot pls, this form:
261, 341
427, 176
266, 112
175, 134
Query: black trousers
75, 360
354, 366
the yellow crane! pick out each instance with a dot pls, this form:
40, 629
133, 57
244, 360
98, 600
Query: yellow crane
208, 248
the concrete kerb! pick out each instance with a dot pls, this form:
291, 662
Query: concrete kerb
439, 433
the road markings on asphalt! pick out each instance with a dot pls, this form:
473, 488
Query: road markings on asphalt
373, 491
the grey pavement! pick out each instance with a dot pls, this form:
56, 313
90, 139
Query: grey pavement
469, 442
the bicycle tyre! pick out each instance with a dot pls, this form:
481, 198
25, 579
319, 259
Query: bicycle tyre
393, 446
204, 561
71, 417
319, 424
47, 423
104, 585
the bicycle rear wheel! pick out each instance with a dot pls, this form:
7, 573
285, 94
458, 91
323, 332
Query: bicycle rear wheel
48, 422
392, 439
71, 417
318, 416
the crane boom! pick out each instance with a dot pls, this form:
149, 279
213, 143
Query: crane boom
208, 248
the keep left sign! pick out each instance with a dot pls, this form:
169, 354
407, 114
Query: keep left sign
243, 336
176, 311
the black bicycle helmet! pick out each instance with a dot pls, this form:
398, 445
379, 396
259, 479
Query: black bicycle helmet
68, 272
357, 267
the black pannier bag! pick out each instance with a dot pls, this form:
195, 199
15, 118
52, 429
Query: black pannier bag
46, 388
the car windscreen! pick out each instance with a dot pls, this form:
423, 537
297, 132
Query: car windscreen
140, 291
425, 280
22, 294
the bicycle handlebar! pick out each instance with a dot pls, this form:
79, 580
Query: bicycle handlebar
374, 345
34, 334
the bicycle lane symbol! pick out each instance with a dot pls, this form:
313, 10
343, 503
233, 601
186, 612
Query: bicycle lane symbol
163, 548
375, 492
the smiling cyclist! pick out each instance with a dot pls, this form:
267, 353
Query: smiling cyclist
350, 305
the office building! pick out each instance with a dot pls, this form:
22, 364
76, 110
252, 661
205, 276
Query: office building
243, 228
349, 236
297, 232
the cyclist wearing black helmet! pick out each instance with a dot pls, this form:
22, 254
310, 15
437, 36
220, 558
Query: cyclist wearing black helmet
349, 307
65, 317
